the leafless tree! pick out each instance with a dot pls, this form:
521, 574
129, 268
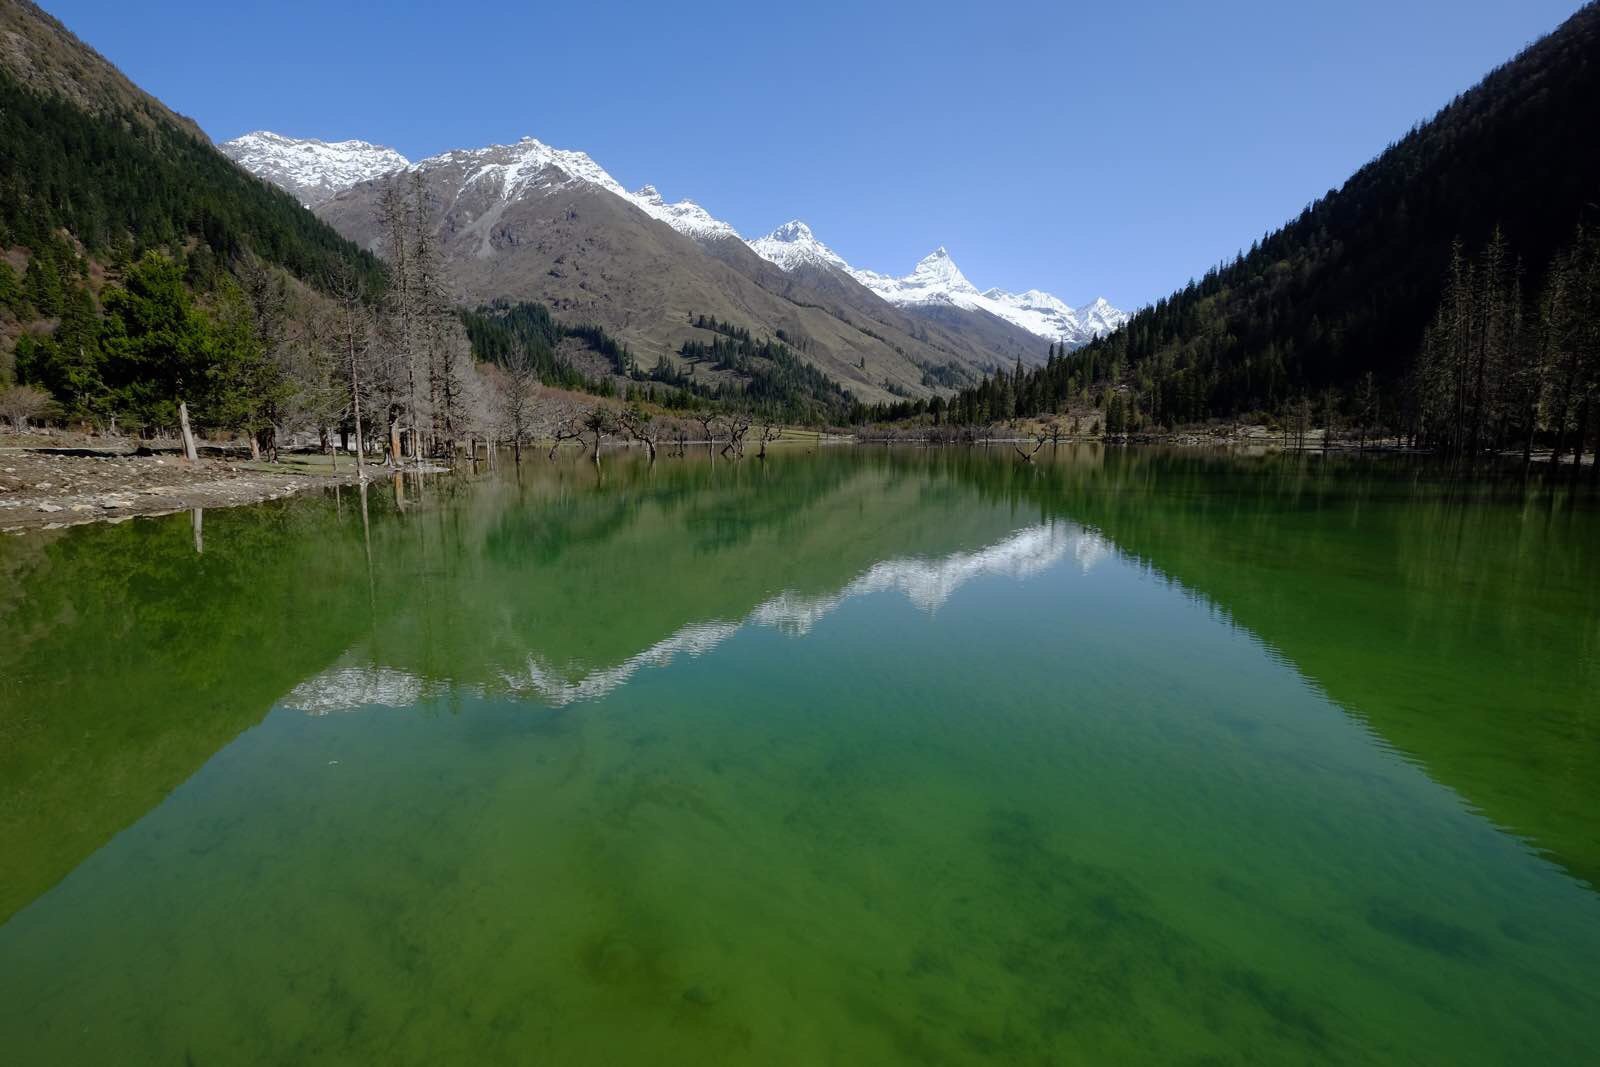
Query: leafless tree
709, 422
768, 432
1039, 441
20, 403
518, 395
640, 425
564, 422
397, 377
600, 424
353, 326
738, 424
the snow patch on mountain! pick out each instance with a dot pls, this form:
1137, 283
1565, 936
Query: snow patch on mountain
793, 245
685, 216
312, 170
530, 165
937, 280
514, 170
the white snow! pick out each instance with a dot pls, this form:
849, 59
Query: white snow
793, 245
937, 280
310, 169
686, 216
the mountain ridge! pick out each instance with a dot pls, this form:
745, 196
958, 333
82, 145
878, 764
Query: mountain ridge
317, 170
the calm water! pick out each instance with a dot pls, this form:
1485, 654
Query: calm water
860, 757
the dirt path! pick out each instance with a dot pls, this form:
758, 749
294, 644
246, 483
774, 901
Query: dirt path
45, 489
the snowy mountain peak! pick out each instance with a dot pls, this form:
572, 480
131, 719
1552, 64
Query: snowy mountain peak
938, 275
937, 280
792, 231
531, 165
526, 166
793, 245
311, 170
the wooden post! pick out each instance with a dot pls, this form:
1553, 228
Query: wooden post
189, 452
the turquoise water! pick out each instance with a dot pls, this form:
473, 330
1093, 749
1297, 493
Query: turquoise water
860, 757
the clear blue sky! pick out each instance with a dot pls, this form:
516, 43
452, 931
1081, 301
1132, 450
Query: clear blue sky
1109, 148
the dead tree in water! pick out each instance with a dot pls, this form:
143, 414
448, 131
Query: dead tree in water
768, 432
708, 421
565, 425
600, 424
519, 388
640, 425
1039, 442
738, 426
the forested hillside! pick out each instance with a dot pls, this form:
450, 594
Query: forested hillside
1330, 312
730, 369
139, 267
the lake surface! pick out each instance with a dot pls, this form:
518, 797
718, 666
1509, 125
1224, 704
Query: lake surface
866, 756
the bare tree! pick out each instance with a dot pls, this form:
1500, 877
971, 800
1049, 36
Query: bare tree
565, 423
640, 425
518, 394
600, 424
398, 371
1039, 441
738, 424
768, 432
709, 422
20, 403
353, 325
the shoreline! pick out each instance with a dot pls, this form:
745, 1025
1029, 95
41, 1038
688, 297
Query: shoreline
46, 487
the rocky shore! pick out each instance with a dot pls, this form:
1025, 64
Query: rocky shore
49, 487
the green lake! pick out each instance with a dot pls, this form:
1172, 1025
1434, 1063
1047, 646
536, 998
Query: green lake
851, 756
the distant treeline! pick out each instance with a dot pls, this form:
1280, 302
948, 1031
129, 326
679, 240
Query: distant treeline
763, 376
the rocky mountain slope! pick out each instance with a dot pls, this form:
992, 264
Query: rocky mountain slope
528, 221
501, 212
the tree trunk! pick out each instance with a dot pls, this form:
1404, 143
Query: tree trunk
1577, 444
189, 452
394, 442
255, 447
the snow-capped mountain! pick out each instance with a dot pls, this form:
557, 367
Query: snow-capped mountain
685, 216
316, 171
1041, 313
312, 171
793, 245
938, 281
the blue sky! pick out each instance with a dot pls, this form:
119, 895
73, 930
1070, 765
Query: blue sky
1109, 148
